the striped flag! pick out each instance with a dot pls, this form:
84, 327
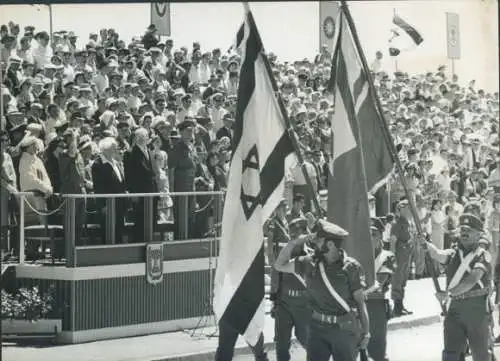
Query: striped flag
405, 38
361, 161
239, 39
262, 152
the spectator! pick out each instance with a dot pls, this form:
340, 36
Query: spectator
72, 173
33, 178
108, 178
160, 166
140, 178
446, 132
182, 173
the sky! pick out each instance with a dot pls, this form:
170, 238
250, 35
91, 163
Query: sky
291, 29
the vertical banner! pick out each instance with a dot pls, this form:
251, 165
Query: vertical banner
453, 35
160, 17
328, 11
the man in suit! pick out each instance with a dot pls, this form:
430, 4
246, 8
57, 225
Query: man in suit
108, 178
140, 178
182, 163
72, 172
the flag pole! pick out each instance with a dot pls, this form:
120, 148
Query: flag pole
388, 138
395, 58
288, 124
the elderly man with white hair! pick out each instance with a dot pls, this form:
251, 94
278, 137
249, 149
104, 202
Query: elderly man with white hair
140, 178
108, 178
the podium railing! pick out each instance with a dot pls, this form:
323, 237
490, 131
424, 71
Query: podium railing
189, 215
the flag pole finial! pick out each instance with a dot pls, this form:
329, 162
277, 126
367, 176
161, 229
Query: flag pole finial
246, 6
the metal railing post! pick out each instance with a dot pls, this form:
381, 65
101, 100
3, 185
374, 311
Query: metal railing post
70, 232
148, 219
21, 229
110, 220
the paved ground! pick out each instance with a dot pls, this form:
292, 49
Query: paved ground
414, 344
198, 345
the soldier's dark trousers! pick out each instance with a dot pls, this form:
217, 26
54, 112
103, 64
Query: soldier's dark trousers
227, 340
286, 319
467, 320
378, 328
404, 252
329, 340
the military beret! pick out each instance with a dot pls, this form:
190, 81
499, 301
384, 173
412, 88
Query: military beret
471, 221
330, 231
298, 222
185, 124
377, 224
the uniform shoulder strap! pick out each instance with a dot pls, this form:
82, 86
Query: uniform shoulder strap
332, 291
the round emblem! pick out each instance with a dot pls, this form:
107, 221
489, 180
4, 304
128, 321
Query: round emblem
161, 9
329, 27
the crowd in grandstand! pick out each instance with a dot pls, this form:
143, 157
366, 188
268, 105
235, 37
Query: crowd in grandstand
150, 116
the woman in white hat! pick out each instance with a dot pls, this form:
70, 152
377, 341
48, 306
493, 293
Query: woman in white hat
33, 177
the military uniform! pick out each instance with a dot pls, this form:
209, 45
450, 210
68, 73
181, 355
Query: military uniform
291, 309
402, 232
334, 330
469, 314
277, 239
377, 303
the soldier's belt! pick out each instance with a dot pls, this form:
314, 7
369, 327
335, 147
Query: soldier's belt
332, 319
377, 295
295, 293
470, 294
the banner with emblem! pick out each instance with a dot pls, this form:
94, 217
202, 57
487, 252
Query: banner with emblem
154, 263
453, 35
361, 160
160, 17
328, 11
263, 151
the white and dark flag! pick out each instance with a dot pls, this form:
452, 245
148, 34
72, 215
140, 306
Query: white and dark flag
404, 38
239, 39
262, 152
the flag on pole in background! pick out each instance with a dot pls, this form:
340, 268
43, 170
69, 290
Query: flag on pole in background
239, 39
160, 17
404, 38
256, 184
361, 161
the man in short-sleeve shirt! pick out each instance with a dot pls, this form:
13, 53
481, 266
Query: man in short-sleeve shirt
468, 278
339, 320
401, 238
